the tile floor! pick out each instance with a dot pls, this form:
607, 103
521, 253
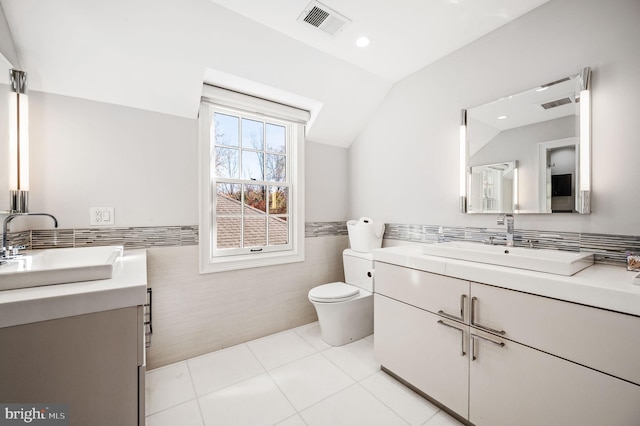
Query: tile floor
290, 378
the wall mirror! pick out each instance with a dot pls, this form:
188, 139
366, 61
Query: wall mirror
529, 152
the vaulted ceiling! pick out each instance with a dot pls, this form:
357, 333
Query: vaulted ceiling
156, 54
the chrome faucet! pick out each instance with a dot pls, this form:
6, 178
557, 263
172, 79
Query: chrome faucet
509, 219
4, 249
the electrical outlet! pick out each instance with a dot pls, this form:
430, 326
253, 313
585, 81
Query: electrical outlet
101, 216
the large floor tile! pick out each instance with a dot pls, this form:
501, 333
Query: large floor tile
356, 359
253, 402
167, 387
186, 414
293, 421
310, 380
352, 406
279, 349
222, 368
311, 333
403, 401
442, 419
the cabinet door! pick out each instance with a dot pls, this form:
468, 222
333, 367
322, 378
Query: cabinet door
89, 362
516, 385
604, 340
429, 354
436, 293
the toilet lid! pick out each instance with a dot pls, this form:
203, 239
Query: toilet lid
333, 292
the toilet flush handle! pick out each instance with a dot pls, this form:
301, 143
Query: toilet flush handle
371, 273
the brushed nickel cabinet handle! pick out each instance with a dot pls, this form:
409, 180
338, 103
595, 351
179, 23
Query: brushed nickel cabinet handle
463, 297
480, 326
473, 344
462, 352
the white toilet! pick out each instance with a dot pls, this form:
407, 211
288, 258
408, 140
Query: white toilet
345, 310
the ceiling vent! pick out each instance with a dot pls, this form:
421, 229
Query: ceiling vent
323, 18
556, 103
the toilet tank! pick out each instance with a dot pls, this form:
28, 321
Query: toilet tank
357, 268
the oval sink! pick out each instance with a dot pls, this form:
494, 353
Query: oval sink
59, 266
541, 260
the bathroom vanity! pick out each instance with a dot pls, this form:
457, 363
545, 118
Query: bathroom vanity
502, 346
80, 344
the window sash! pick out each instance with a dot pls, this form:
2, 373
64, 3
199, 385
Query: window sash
245, 246
211, 261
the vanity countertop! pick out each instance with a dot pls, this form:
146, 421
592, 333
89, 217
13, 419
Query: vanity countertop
127, 288
603, 286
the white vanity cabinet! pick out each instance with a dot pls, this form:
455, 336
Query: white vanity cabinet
517, 385
528, 359
427, 349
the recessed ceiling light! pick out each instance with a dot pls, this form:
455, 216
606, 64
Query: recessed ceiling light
502, 117
363, 41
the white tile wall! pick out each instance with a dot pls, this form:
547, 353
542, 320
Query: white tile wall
195, 314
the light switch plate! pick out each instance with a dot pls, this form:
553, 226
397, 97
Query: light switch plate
101, 216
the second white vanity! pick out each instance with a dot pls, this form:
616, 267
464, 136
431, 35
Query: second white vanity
80, 344
503, 346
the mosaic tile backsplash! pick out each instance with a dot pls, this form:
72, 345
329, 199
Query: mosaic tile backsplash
607, 248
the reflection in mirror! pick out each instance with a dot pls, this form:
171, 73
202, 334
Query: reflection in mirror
545, 131
493, 187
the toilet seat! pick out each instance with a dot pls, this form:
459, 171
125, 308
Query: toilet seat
333, 292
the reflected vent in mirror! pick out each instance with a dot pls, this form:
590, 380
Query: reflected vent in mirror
556, 103
323, 18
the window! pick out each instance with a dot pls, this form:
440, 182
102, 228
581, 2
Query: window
251, 182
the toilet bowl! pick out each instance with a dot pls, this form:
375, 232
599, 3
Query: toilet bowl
345, 310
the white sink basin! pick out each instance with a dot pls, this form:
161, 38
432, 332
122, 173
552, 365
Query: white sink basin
58, 266
551, 261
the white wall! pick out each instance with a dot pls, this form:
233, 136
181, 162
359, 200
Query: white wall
144, 164
404, 164
86, 153
327, 183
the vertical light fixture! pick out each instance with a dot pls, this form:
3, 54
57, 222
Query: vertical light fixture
463, 161
18, 142
516, 206
584, 206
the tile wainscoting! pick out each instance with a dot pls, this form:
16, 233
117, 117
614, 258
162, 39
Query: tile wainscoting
195, 313
137, 237
607, 248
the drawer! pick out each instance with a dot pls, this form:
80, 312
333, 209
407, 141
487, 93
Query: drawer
603, 340
432, 292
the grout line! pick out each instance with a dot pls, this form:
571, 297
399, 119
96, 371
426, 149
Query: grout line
197, 398
432, 417
382, 402
175, 405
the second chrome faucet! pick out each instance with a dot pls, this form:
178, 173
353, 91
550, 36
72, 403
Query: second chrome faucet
508, 220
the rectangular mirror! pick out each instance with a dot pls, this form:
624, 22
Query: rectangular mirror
529, 152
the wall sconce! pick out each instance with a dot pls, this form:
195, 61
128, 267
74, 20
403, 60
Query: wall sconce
516, 201
584, 205
18, 143
463, 161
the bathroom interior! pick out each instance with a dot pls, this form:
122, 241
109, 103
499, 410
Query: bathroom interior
394, 133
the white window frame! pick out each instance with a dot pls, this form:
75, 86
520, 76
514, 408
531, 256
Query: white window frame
210, 260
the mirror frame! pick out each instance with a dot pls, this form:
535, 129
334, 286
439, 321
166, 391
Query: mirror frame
583, 187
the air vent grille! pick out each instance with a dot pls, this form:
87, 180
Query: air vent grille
325, 19
316, 17
556, 103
